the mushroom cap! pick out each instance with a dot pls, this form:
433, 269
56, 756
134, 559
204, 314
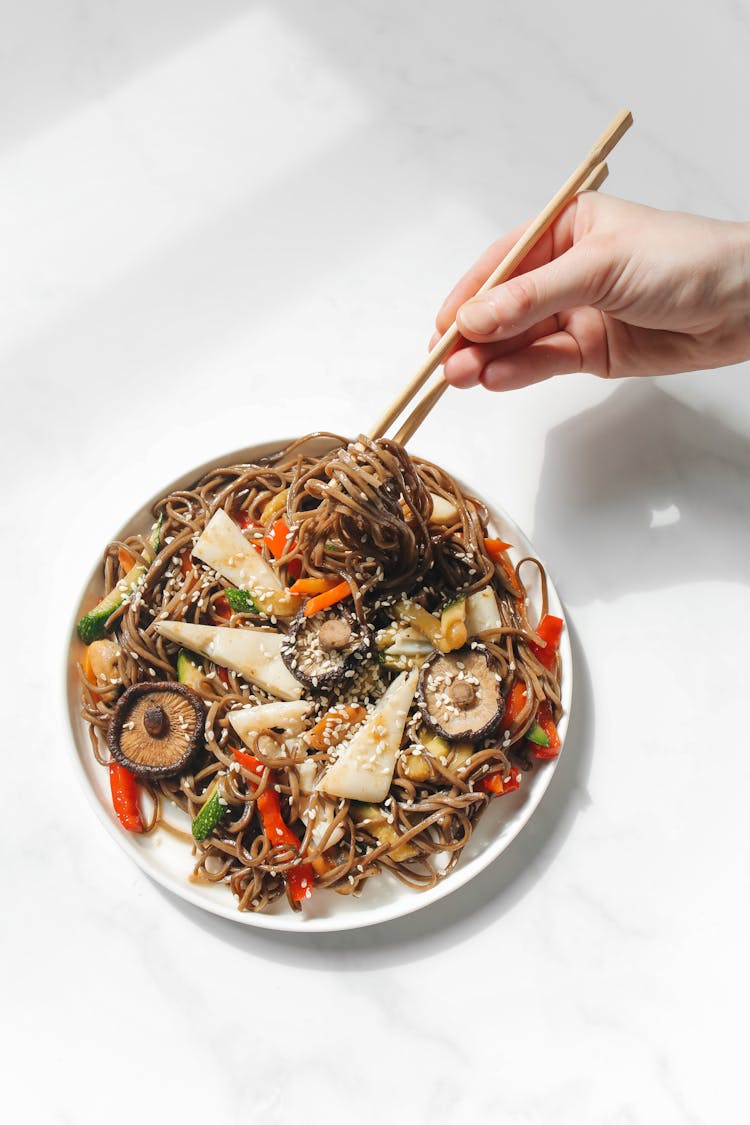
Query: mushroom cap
156, 728
460, 694
319, 650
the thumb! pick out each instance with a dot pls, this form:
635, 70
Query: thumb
577, 278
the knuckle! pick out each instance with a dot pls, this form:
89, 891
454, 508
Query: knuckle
523, 295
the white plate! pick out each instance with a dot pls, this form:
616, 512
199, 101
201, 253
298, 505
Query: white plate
168, 860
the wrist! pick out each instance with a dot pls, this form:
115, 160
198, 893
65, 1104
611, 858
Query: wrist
738, 272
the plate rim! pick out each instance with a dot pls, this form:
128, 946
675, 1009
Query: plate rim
411, 900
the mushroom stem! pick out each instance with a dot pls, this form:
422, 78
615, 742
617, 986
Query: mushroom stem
462, 694
156, 721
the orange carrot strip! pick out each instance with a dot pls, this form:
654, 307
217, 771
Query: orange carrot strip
322, 864
310, 586
88, 672
515, 703
323, 601
334, 726
127, 562
495, 547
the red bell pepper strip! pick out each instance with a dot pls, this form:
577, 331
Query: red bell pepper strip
222, 607
550, 630
300, 878
274, 825
249, 762
278, 539
124, 789
279, 542
497, 784
547, 723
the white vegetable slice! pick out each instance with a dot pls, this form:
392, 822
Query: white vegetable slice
290, 717
482, 612
324, 815
306, 772
254, 653
443, 510
224, 548
364, 769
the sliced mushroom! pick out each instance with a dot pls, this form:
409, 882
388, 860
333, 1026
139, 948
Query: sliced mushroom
321, 649
156, 728
460, 694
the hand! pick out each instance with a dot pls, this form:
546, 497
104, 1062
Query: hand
613, 288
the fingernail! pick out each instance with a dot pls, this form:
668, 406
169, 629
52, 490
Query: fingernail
478, 317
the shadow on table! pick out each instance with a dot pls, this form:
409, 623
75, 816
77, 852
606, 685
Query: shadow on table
643, 492
472, 907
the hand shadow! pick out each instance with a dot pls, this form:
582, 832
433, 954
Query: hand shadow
642, 492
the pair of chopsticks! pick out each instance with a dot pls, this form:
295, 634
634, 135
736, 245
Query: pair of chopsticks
588, 176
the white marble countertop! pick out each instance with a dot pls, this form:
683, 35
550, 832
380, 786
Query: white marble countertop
223, 222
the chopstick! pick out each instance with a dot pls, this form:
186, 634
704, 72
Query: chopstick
589, 174
425, 404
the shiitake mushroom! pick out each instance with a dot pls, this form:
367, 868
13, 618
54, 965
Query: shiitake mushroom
156, 728
460, 694
321, 649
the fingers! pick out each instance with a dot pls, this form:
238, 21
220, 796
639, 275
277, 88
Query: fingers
555, 241
578, 278
475, 277
558, 354
464, 367
559, 346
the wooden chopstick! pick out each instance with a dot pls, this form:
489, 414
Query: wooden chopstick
587, 170
425, 404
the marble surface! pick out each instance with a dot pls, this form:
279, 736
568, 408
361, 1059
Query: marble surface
221, 222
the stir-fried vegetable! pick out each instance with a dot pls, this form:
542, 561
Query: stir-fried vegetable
550, 748
223, 547
549, 630
124, 789
254, 653
211, 812
300, 877
328, 598
364, 769
335, 726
